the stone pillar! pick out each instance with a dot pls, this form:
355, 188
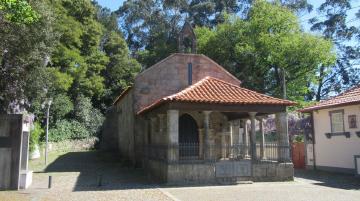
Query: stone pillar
173, 134
253, 136
201, 143
223, 145
234, 135
262, 140
206, 134
245, 147
283, 137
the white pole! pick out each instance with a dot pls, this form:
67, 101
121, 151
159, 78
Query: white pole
47, 132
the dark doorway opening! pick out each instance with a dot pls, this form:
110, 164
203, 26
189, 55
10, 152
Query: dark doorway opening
188, 137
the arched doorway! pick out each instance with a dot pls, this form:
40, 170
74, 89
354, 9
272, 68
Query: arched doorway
188, 137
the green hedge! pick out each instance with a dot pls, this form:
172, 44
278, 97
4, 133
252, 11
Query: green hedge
65, 129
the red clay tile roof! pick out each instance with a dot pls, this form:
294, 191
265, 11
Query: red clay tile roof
212, 90
351, 96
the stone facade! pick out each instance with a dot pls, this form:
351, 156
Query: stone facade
134, 134
170, 76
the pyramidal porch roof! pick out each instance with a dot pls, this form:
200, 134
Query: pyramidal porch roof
215, 91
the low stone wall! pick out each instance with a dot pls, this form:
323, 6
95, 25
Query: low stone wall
272, 171
192, 173
204, 173
157, 170
74, 145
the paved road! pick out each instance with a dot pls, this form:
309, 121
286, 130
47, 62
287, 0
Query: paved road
76, 177
308, 185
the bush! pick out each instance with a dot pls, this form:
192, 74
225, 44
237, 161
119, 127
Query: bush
65, 129
87, 115
60, 107
298, 138
35, 134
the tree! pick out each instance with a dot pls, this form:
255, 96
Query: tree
17, 11
259, 48
336, 27
151, 27
24, 51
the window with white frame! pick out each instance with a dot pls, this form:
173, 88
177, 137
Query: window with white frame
337, 121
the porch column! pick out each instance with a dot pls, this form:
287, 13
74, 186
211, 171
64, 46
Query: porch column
283, 137
234, 137
253, 136
173, 134
206, 134
245, 147
201, 143
262, 139
223, 145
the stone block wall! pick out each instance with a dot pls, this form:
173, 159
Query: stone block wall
191, 173
272, 172
170, 76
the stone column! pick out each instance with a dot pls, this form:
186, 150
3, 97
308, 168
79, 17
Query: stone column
223, 145
173, 134
231, 128
206, 134
201, 143
245, 147
283, 137
262, 140
234, 134
253, 136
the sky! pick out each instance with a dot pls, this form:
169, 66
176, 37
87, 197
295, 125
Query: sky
115, 4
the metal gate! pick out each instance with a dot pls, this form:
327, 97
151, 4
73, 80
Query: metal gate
298, 155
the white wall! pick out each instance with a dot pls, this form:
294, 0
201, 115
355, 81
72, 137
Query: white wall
338, 151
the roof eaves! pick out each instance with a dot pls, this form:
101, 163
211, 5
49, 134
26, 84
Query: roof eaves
122, 95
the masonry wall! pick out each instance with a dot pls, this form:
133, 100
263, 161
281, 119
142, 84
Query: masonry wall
336, 153
125, 126
109, 140
170, 76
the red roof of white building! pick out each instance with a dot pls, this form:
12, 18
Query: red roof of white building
351, 96
213, 90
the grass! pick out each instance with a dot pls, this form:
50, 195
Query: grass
38, 165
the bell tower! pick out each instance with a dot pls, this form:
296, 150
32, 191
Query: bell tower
187, 39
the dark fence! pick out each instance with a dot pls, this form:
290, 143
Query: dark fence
186, 152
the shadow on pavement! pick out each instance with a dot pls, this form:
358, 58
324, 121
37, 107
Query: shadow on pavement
329, 179
100, 171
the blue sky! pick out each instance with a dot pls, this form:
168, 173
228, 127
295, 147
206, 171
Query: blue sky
115, 4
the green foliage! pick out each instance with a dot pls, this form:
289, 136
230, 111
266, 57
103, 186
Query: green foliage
61, 106
337, 24
152, 26
64, 130
35, 134
258, 48
18, 11
24, 52
298, 138
87, 115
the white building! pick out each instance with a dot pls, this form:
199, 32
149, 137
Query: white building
336, 133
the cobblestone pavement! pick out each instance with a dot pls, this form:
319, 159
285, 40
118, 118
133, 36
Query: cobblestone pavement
307, 186
76, 176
